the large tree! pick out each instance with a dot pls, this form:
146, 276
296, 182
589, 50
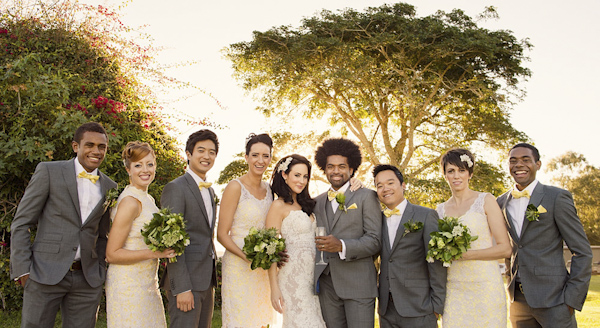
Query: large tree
407, 87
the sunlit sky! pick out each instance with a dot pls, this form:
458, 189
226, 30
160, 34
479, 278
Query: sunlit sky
559, 112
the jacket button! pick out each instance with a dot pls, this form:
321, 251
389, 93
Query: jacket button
75, 248
391, 260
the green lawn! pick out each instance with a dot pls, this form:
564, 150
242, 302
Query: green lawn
588, 318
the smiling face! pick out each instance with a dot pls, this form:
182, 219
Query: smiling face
91, 150
523, 166
457, 177
338, 171
389, 189
258, 158
203, 157
142, 172
297, 178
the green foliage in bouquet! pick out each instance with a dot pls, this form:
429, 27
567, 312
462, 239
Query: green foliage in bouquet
450, 242
166, 230
262, 247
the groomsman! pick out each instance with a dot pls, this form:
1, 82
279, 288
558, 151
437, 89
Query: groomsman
411, 290
65, 266
539, 219
347, 285
190, 281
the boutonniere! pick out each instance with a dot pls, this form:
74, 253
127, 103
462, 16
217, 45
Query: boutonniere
111, 197
341, 200
412, 226
532, 213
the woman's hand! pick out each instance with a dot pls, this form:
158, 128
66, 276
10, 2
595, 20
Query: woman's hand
277, 300
168, 253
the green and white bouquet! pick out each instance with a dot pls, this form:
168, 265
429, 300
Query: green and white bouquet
166, 230
262, 247
450, 242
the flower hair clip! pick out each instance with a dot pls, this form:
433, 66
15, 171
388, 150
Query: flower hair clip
284, 165
249, 137
465, 158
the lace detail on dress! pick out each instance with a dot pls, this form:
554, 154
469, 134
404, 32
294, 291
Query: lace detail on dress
301, 306
132, 295
475, 295
246, 294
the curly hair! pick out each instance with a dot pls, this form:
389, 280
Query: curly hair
280, 187
88, 127
135, 151
455, 157
342, 147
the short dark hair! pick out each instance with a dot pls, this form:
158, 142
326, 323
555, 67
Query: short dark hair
281, 188
453, 156
201, 135
88, 127
536, 153
342, 147
256, 138
387, 167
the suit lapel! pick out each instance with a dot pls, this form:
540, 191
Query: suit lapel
406, 216
104, 186
386, 234
195, 191
347, 202
535, 200
511, 228
71, 182
212, 196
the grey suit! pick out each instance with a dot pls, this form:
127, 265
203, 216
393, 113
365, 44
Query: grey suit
418, 288
51, 203
348, 287
195, 269
538, 252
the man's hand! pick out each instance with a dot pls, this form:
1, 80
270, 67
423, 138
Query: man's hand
571, 310
22, 280
185, 301
328, 244
284, 258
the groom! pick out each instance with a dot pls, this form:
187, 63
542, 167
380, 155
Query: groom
190, 281
64, 267
347, 285
539, 219
411, 290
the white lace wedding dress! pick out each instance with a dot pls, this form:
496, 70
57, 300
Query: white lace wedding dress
301, 306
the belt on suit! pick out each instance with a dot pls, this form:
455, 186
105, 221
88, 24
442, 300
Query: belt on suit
76, 266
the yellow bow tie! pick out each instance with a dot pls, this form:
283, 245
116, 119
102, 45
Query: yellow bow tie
387, 212
204, 185
88, 176
332, 194
518, 194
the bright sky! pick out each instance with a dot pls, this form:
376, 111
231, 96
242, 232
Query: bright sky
559, 112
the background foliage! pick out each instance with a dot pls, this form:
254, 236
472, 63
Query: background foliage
63, 64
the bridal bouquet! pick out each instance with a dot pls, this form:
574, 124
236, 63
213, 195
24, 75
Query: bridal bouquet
262, 247
166, 230
450, 242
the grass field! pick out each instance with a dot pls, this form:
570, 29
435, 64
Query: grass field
588, 318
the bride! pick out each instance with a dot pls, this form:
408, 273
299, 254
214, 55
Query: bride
291, 214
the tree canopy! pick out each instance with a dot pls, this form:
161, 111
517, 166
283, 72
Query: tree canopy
408, 88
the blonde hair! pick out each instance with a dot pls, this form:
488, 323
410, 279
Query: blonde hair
135, 151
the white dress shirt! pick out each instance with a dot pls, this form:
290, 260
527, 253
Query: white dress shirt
89, 195
205, 197
335, 206
393, 222
517, 207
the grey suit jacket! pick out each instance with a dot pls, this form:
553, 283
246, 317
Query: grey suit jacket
195, 268
538, 251
418, 287
360, 229
51, 203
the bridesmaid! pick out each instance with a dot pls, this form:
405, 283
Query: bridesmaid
132, 295
245, 202
475, 295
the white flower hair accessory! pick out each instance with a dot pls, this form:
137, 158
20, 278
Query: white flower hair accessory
284, 165
465, 158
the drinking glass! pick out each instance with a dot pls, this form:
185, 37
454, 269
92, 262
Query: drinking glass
321, 232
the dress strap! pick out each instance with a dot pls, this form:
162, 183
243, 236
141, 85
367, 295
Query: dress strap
479, 203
